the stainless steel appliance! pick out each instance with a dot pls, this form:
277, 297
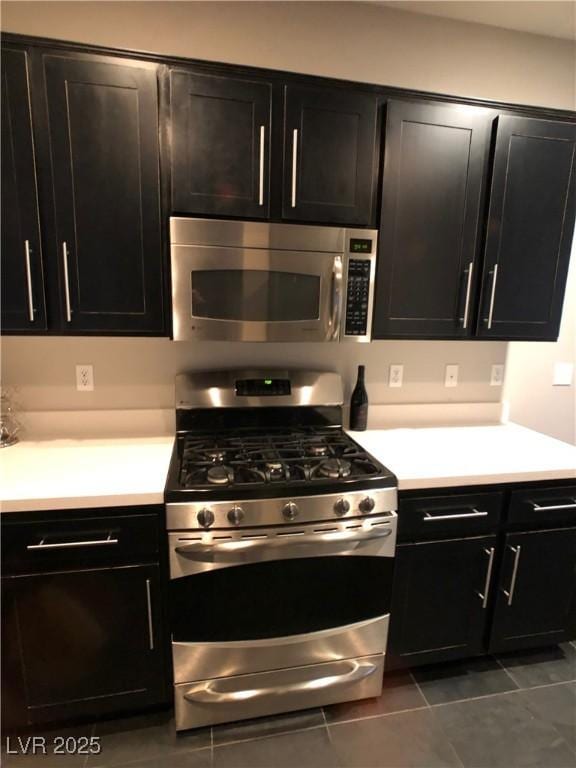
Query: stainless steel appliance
282, 533
250, 281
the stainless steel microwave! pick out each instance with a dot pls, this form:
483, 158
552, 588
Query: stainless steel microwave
250, 281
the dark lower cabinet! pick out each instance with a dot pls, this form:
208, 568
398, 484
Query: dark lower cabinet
439, 604
22, 280
105, 189
90, 641
82, 615
220, 145
329, 155
530, 228
464, 594
536, 594
434, 167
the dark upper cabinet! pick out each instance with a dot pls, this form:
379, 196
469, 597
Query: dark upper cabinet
435, 162
104, 158
329, 155
439, 600
94, 645
23, 303
536, 595
530, 225
220, 145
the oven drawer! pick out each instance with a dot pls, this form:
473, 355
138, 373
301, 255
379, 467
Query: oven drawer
35, 547
245, 696
543, 506
434, 517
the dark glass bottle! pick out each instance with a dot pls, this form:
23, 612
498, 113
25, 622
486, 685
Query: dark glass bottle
359, 403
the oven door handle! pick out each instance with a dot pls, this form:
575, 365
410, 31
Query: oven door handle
208, 693
230, 550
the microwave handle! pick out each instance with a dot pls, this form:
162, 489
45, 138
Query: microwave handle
336, 316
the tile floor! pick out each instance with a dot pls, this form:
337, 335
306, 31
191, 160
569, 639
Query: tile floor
511, 711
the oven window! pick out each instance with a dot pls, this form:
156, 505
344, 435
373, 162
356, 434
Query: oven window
255, 295
278, 598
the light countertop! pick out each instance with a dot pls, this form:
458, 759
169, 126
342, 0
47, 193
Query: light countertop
441, 457
69, 474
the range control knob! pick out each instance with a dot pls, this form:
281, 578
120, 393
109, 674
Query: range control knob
367, 504
205, 517
290, 510
342, 506
236, 515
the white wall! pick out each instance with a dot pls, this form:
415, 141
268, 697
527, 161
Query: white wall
350, 40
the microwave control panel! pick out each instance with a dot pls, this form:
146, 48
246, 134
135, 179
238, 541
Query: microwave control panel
357, 297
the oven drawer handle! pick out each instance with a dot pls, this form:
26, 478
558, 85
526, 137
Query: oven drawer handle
428, 517
208, 693
240, 545
65, 544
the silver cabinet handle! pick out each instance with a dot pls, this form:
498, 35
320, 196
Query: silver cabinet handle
150, 625
73, 544
336, 316
492, 295
428, 517
234, 550
551, 508
484, 594
510, 593
66, 282
468, 289
261, 170
294, 164
208, 693
29, 281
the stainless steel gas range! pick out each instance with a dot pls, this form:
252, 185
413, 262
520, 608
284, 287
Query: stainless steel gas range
282, 533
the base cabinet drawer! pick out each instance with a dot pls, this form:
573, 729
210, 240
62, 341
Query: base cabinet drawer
543, 506
536, 594
459, 514
441, 595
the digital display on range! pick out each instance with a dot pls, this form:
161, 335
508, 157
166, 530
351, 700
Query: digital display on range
262, 387
360, 245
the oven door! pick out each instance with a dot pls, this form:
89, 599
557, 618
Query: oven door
306, 595
252, 294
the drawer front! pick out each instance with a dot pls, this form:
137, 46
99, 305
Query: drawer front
35, 547
438, 517
543, 506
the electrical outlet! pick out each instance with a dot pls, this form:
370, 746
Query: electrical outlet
451, 378
497, 376
84, 378
396, 375
563, 374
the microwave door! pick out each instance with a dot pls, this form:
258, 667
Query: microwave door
242, 294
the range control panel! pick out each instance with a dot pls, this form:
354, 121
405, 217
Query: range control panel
357, 297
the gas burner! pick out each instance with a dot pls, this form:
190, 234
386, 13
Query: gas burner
275, 470
216, 456
220, 475
334, 468
316, 446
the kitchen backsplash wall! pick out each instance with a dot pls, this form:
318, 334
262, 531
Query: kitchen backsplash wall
139, 373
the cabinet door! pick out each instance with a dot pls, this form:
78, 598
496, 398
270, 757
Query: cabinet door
530, 226
439, 603
23, 305
434, 166
90, 641
103, 131
220, 157
329, 155
536, 596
